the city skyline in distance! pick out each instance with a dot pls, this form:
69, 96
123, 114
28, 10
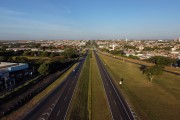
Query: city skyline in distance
95, 19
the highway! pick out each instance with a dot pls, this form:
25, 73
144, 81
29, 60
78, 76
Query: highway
55, 105
118, 106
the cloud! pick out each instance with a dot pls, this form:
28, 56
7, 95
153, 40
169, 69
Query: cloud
22, 25
7, 12
20, 20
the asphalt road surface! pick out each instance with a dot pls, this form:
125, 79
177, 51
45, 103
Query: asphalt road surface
118, 106
55, 105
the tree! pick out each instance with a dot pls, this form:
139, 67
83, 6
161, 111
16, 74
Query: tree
44, 54
153, 71
133, 57
3, 58
52, 55
69, 53
115, 52
104, 50
10, 59
3, 48
43, 48
21, 59
58, 58
178, 62
44, 69
130, 47
160, 60
33, 53
25, 53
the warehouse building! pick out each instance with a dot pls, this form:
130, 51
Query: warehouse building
8, 71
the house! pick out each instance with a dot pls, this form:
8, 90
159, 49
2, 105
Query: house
129, 52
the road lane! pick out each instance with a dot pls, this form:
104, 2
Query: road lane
55, 106
119, 108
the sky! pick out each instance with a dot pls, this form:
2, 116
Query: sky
89, 19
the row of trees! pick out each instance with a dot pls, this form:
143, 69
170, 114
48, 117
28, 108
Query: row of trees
11, 53
161, 60
40, 53
156, 48
68, 53
16, 59
53, 65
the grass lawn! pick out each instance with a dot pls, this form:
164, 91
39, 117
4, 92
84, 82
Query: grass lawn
159, 100
167, 68
24, 109
100, 108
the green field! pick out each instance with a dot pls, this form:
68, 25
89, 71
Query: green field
159, 100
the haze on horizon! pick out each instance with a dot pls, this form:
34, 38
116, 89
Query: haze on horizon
89, 19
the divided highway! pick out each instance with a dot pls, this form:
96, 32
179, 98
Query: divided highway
118, 106
55, 105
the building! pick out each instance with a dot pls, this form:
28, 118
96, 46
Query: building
112, 47
7, 71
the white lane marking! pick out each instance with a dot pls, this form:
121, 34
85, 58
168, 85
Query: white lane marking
46, 114
58, 113
50, 109
104, 87
64, 98
72, 97
116, 92
114, 101
42, 119
53, 105
121, 118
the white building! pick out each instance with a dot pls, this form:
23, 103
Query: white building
112, 47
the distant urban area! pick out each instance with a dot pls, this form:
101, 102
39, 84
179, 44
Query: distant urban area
34, 72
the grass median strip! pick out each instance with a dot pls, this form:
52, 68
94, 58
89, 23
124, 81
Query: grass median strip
24, 109
90, 89
159, 100
89, 100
